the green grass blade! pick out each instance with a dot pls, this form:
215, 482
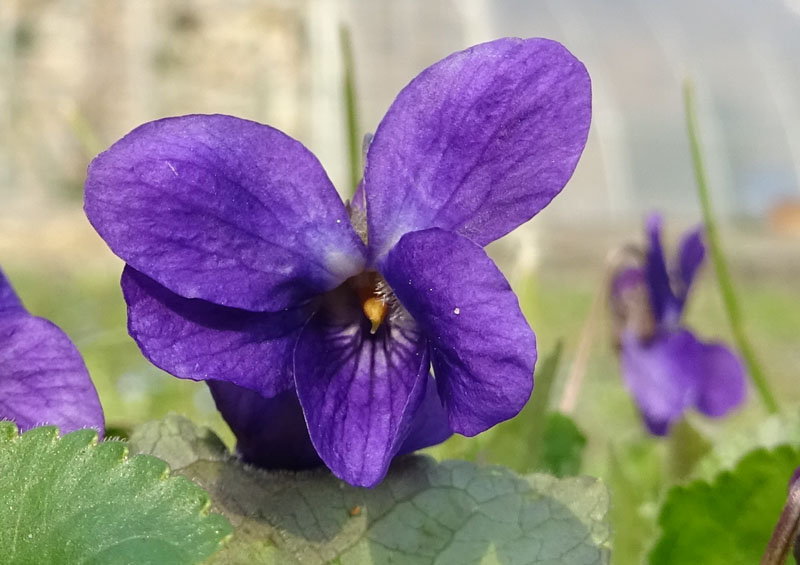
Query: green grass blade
729, 298
351, 108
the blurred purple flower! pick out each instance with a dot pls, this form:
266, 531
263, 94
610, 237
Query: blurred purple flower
43, 379
244, 267
664, 366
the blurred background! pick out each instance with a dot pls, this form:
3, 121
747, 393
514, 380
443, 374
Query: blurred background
76, 75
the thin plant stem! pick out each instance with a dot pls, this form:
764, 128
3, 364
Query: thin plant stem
351, 109
724, 279
569, 398
785, 532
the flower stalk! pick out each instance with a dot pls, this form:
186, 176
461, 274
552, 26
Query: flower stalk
351, 109
786, 530
724, 279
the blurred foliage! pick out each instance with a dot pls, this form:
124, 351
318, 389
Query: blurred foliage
562, 446
423, 512
727, 521
71, 499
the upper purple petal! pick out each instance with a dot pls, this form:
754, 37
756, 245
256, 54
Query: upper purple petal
661, 376
690, 256
43, 379
720, 379
195, 339
662, 299
270, 432
359, 392
482, 349
223, 209
478, 143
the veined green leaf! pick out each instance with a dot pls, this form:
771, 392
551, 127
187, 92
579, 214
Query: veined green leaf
71, 500
423, 512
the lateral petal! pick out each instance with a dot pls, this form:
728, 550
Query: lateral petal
223, 209
661, 375
195, 339
721, 379
482, 349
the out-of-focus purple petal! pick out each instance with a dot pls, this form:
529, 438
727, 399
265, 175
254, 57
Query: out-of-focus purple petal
690, 257
223, 209
482, 349
9, 302
625, 280
478, 143
661, 377
359, 392
43, 379
720, 379
662, 299
627, 286
430, 426
270, 432
198, 340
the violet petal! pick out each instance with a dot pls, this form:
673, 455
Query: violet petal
43, 379
430, 426
198, 340
720, 378
661, 376
224, 209
270, 432
482, 349
625, 280
662, 299
690, 257
359, 392
478, 143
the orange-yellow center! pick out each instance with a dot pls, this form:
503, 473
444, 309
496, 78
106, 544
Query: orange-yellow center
375, 310
373, 304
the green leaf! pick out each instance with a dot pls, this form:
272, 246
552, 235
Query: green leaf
423, 512
562, 446
72, 500
730, 520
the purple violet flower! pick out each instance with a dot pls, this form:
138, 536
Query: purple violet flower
665, 367
245, 269
43, 379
